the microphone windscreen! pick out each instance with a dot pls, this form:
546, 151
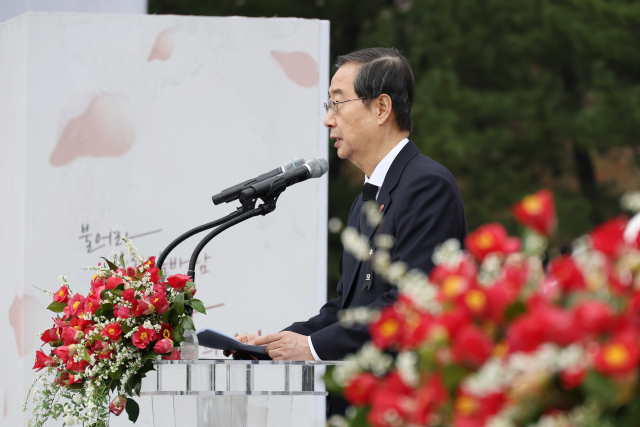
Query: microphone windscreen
317, 167
292, 164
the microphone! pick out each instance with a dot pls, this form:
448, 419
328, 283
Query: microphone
232, 193
313, 168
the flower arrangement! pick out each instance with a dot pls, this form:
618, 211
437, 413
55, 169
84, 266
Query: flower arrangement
495, 336
107, 341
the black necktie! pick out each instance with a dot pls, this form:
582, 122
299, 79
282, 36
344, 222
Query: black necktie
369, 192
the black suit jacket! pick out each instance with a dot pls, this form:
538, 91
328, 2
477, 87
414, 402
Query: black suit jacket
422, 208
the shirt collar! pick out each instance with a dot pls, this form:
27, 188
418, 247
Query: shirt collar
380, 172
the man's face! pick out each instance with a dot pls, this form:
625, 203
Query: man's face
354, 122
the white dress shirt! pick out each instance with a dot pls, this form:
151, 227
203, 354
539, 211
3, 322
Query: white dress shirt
377, 179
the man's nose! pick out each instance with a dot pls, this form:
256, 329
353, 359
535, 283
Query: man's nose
329, 120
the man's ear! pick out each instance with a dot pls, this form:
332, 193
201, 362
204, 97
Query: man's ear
384, 108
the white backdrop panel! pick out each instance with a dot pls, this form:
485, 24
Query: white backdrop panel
130, 124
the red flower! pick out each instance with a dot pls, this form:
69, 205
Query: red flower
360, 389
121, 312
97, 286
51, 336
71, 336
474, 300
526, 333
76, 305
390, 402
472, 346
567, 273
131, 272
428, 400
113, 331
594, 316
619, 356
62, 296
561, 327
572, 378
387, 330
165, 345
537, 211
63, 352
92, 304
142, 337
113, 281
608, 237
472, 411
415, 329
128, 294
491, 238
76, 366
159, 301
178, 281
175, 355
117, 405
43, 361
166, 331
153, 270
141, 307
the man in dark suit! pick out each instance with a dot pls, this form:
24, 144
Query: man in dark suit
369, 116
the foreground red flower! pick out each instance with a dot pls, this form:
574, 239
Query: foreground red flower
360, 389
428, 400
537, 211
76, 305
472, 346
619, 356
387, 330
491, 238
166, 331
608, 238
567, 273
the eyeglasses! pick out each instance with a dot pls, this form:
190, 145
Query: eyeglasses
334, 104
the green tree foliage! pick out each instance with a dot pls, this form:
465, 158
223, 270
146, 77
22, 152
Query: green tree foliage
511, 96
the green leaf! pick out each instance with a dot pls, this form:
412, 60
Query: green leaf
138, 386
177, 334
152, 355
74, 386
133, 410
178, 304
125, 328
122, 261
330, 384
599, 388
166, 314
187, 323
452, 375
57, 307
514, 310
111, 265
360, 419
117, 374
197, 305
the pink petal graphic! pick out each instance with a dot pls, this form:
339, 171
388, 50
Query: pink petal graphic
163, 46
103, 130
25, 332
300, 67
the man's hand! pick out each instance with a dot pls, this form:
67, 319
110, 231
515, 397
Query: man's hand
245, 338
285, 346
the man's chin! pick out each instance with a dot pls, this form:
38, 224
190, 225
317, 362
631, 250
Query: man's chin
342, 153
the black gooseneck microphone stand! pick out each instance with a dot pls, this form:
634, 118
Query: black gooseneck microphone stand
244, 212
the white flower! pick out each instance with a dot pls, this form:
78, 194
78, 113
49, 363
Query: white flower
406, 365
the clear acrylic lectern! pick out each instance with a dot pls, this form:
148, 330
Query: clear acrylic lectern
231, 393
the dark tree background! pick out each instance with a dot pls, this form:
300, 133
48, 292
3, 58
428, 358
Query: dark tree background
511, 96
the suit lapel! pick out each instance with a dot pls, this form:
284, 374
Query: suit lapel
383, 201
